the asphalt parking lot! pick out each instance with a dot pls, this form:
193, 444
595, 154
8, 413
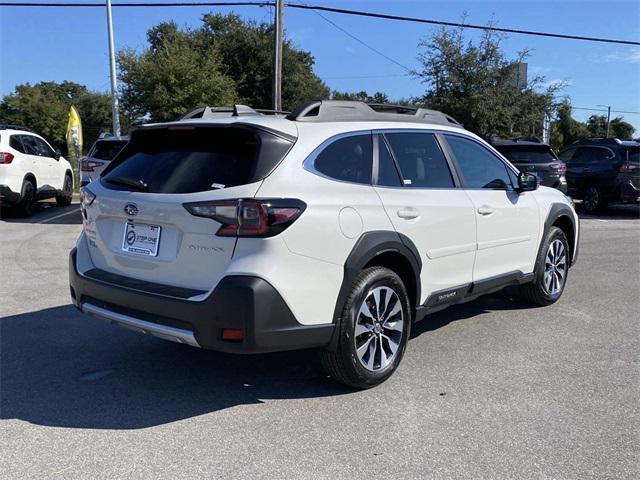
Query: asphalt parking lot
491, 389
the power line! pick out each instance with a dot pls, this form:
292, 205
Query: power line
389, 75
349, 34
604, 110
334, 10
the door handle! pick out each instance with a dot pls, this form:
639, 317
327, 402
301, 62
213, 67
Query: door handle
408, 213
485, 210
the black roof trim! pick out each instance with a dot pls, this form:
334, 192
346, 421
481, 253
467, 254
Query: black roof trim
12, 126
346, 110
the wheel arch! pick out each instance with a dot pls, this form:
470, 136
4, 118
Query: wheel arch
561, 216
30, 177
380, 248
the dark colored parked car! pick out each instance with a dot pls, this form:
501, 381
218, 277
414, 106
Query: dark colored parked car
601, 171
533, 156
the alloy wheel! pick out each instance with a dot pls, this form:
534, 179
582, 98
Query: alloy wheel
591, 199
555, 268
379, 328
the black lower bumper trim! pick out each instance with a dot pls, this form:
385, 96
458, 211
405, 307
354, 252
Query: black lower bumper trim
247, 303
8, 196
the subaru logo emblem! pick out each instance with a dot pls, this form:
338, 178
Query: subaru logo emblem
131, 209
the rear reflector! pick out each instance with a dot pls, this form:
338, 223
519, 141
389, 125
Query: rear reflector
249, 217
232, 334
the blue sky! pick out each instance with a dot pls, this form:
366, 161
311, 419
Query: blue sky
70, 44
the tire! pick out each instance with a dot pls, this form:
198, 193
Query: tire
67, 193
592, 201
551, 270
377, 337
27, 199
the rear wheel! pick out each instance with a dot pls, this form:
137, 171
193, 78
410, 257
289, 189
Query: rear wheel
374, 329
593, 201
552, 268
66, 196
27, 199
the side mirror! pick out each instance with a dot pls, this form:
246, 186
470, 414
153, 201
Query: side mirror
57, 154
527, 182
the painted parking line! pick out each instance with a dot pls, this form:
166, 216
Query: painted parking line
47, 220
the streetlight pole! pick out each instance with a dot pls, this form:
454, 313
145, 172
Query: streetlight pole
277, 55
112, 70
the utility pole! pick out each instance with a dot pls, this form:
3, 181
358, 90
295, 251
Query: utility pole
277, 55
608, 116
112, 69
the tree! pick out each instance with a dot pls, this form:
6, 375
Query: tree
44, 108
621, 129
362, 96
565, 130
226, 60
479, 86
175, 74
597, 126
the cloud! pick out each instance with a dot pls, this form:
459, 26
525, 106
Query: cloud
623, 56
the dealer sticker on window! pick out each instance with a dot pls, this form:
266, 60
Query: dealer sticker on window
141, 239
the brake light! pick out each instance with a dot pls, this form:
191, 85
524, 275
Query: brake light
6, 158
559, 167
89, 165
249, 217
629, 168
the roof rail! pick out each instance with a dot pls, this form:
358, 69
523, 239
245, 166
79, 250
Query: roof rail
13, 126
234, 111
347, 110
599, 140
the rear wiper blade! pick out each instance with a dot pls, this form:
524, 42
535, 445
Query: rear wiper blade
128, 182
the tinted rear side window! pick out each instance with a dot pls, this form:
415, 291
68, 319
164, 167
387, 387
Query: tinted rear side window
106, 150
421, 162
387, 171
347, 159
16, 143
196, 159
533, 155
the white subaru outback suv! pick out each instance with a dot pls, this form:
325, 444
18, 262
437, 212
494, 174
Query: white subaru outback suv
31, 170
334, 227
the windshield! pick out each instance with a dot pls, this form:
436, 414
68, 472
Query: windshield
528, 155
195, 159
106, 150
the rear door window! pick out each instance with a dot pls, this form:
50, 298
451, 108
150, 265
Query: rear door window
194, 159
347, 159
16, 143
29, 144
387, 171
422, 163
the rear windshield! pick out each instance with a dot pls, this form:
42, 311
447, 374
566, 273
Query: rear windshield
106, 150
633, 154
194, 159
528, 155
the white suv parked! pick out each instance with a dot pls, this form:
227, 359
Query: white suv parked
31, 170
334, 227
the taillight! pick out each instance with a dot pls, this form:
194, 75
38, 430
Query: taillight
630, 168
89, 165
247, 217
559, 167
6, 157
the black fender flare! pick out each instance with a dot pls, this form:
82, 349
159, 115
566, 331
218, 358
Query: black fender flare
367, 247
557, 211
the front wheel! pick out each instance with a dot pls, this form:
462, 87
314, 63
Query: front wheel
66, 196
552, 268
374, 329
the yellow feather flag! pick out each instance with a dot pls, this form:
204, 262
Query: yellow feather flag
74, 135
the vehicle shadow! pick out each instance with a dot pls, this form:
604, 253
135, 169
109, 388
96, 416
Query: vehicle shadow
613, 212
61, 368
45, 212
507, 299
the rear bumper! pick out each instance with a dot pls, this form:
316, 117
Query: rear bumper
8, 196
247, 303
